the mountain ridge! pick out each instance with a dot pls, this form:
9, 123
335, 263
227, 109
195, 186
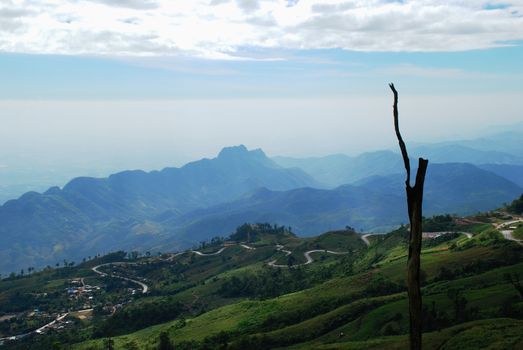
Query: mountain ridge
87, 208
178, 207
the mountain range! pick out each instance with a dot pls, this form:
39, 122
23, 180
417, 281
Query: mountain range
90, 215
340, 169
178, 207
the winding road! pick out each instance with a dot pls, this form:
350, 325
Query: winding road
365, 239
58, 319
174, 255
40, 330
441, 233
209, 254
279, 248
307, 256
145, 288
507, 233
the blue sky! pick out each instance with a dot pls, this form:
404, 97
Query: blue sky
329, 72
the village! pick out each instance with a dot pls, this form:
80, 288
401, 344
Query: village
84, 302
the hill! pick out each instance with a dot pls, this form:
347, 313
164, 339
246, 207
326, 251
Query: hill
374, 204
94, 215
458, 153
498, 153
340, 169
176, 208
227, 295
456, 188
510, 172
307, 210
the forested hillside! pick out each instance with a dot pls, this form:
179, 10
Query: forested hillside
266, 288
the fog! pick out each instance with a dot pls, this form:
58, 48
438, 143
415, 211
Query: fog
151, 134
43, 143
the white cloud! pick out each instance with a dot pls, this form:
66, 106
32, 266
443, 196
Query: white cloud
222, 29
410, 70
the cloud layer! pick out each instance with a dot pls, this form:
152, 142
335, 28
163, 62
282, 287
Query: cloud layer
234, 29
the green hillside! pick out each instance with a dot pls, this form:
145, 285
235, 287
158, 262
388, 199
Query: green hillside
226, 295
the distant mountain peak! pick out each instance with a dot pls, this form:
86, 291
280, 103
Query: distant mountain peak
240, 151
233, 151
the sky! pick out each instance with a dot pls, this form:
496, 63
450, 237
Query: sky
94, 86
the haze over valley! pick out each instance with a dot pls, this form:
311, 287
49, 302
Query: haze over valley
176, 208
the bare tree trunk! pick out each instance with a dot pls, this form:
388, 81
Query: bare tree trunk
414, 203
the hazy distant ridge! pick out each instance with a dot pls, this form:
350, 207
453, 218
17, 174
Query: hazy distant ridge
91, 214
177, 207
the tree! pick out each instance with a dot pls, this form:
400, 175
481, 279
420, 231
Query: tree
459, 302
108, 344
514, 280
131, 346
165, 342
516, 206
414, 205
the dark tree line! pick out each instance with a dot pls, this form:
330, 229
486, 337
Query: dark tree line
516, 207
251, 232
132, 318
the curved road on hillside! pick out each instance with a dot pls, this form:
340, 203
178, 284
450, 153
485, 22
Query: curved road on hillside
365, 239
367, 242
441, 233
145, 288
243, 245
172, 256
307, 256
209, 254
507, 233
279, 248
41, 330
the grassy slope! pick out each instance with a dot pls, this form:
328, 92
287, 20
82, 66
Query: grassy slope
359, 318
499, 334
518, 233
247, 315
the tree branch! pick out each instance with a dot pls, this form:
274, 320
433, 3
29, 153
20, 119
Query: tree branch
403, 148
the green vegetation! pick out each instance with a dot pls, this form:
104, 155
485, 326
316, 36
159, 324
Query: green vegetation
516, 207
518, 232
473, 296
439, 223
255, 233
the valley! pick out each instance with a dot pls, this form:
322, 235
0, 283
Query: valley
239, 252
177, 208
263, 287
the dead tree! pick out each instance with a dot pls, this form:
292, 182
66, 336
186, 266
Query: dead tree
414, 205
